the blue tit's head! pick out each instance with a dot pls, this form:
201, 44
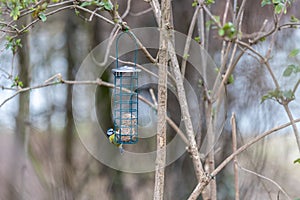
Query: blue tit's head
110, 132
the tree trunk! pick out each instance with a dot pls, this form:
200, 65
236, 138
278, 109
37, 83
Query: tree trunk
22, 119
69, 128
162, 100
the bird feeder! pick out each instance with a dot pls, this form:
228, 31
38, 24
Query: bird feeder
125, 99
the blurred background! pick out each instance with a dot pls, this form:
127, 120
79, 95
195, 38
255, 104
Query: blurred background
42, 157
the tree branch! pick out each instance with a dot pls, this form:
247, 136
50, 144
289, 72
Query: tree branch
188, 41
235, 164
266, 178
200, 186
162, 101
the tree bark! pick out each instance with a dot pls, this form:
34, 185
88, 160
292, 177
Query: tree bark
69, 128
162, 101
22, 118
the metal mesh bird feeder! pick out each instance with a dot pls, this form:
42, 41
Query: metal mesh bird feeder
125, 99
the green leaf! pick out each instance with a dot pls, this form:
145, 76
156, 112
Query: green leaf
186, 56
197, 39
209, 23
17, 82
20, 83
279, 8
289, 70
221, 32
228, 30
265, 2
209, 2
276, 1
217, 18
297, 161
77, 12
16, 79
86, 3
230, 79
108, 5
297, 69
15, 13
13, 44
44, 6
195, 3
43, 17
288, 94
274, 94
263, 98
262, 39
294, 53
294, 19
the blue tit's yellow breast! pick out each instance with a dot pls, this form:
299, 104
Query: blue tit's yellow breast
112, 140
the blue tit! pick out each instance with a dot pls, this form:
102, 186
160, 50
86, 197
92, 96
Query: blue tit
111, 136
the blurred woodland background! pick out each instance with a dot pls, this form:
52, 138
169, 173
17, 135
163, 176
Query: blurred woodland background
41, 155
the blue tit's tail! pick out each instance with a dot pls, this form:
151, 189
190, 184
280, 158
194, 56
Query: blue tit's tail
121, 149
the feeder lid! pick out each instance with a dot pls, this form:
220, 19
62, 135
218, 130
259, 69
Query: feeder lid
126, 69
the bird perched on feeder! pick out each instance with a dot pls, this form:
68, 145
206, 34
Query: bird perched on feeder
111, 136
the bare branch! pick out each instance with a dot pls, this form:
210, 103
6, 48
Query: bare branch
156, 9
266, 178
291, 118
188, 41
140, 13
250, 143
235, 166
127, 9
200, 186
112, 37
211, 16
296, 86
96, 14
226, 11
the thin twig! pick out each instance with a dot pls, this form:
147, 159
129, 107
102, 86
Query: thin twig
137, 14
212, 17
96, 14
156, 9
92, 15
240, 13
111, 38
288, 25
127, 9
296, 86
226, 11
266, 178
294, 126
234, 9
153, 97
188, 41
235, 166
